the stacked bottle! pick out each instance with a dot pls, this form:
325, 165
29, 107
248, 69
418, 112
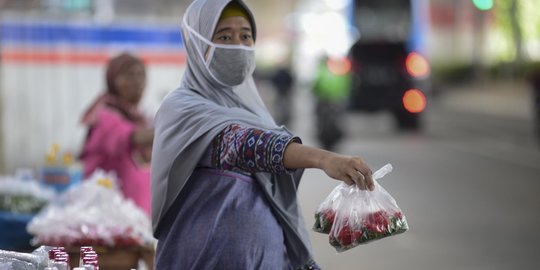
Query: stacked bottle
88, 259
58, 259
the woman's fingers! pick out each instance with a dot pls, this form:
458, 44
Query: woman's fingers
370, 183
349, 182
358, 178
366, 176
361, 183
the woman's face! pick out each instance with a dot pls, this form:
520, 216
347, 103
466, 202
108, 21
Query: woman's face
233, 31
130, 83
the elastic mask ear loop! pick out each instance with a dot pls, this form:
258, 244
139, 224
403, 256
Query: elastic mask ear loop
211, 51
212, 48
210, 43
191, 31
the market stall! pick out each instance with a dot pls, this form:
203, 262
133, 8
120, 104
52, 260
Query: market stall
35, 216
21, 199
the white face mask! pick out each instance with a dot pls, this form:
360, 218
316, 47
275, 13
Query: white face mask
230, 65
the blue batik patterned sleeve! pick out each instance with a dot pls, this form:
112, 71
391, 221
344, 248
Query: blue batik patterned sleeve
239, 148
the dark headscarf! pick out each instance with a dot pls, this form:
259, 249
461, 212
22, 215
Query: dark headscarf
116, 66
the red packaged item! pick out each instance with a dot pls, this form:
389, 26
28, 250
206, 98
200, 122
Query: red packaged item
326, 213
352, 216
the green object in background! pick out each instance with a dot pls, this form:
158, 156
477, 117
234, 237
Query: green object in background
483, 4
331, 86
75, 5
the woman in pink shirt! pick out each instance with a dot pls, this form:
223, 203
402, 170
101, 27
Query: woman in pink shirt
119, 138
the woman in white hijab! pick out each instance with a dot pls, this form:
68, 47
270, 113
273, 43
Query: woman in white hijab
224, 176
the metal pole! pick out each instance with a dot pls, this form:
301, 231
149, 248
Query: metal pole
2, 129
478, 44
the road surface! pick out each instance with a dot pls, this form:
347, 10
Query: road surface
469, 186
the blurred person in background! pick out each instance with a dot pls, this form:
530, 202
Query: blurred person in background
282, 80
224, 175
119, 137
331, 90
535, 82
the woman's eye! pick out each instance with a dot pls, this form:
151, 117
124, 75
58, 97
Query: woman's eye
224, 38
246, 36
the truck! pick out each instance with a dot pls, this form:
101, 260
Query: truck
389, 69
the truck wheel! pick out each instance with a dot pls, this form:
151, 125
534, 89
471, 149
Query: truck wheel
407, 121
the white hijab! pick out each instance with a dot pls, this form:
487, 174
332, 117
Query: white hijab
192, 115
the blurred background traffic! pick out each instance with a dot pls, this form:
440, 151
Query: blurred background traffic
448, 91
398, 56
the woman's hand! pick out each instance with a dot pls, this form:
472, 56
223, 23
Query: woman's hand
143, 136
351, 170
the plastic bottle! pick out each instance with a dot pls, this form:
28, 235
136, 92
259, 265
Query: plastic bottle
74, 168
53, 252
90, 261
83, 251
61, 260
88, 258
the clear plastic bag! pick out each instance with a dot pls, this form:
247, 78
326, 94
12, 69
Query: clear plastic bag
37, 260
326, 213
352, 216
92, 213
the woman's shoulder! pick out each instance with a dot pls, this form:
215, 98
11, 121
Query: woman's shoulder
107, 114
181, 98
182, 94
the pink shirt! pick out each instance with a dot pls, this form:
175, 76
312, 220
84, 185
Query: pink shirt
109, 147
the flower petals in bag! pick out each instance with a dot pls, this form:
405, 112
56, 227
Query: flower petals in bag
357, 216
325, 214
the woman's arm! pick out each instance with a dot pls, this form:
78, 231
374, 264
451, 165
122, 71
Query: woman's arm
351, 170
255, 150
143, 136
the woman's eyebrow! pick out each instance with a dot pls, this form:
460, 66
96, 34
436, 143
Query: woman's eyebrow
224, 29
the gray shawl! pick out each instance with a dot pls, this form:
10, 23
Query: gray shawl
192, 115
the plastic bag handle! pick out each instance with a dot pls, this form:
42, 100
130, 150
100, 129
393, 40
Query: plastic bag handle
380, 173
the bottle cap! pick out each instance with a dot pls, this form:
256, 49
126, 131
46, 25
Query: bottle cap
86, 248
90, 256
52, 254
